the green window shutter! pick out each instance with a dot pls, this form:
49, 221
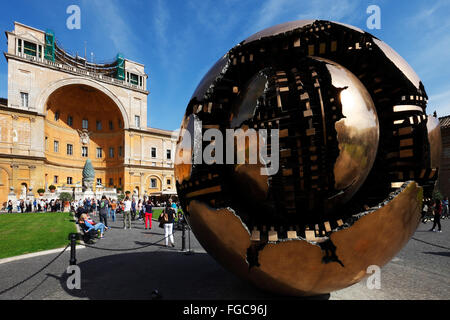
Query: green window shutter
49, 52
120, 70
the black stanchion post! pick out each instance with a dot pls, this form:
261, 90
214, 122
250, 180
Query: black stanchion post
183, 237
189, 252
73, 244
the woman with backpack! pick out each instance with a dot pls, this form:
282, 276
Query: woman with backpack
167, 218
103, 210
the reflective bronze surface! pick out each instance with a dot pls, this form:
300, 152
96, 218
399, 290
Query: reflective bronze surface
357, 132
357, 154
435, 139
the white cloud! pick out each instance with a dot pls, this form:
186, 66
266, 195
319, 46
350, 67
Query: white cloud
271, 11
278, 11
161, 21
112, 19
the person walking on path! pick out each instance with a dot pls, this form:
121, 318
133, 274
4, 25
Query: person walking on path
445, 207
113, 210
437, 216
103, 211
94, 207
167, 218
133, 209
140, 207
148, 214
127, 213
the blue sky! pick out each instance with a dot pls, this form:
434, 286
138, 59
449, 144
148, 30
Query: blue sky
179, 40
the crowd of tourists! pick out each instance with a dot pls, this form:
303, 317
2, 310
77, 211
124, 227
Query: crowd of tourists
36, 205
131, 209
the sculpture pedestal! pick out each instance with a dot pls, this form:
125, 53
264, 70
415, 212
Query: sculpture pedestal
89, 194
12, 197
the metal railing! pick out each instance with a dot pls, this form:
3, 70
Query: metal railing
97, 76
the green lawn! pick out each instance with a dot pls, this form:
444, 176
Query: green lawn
32, 232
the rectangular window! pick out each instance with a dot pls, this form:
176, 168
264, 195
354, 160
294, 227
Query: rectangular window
169, 182
153, 152
56, 146
120, 181
20, 45
55, 179
84, 152
69, 149
119, 122
111, 152
137, 121
99, 126
99, 181
111, 181
85, 124
69, 180
120, 151
99, 153
30, 48
70, 120
154, 184
56, 115
24, 99
134, 79
169, 154
111, 126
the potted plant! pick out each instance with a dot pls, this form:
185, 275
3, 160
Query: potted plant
41, 192
52, 188
66, 197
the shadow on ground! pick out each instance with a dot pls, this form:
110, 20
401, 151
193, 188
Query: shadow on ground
175, 275
444, 254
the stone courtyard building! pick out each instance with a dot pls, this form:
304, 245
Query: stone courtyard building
62, 110
444, 172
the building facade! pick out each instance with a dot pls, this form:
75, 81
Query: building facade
62, 110
444, 171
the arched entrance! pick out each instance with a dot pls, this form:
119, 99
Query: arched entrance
83, 122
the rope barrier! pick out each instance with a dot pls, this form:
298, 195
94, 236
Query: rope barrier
431, 244
34, 274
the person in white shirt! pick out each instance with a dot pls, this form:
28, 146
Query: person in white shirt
127, 213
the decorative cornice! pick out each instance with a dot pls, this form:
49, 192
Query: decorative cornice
96, 78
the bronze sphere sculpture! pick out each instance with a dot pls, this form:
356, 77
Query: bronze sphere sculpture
356, 154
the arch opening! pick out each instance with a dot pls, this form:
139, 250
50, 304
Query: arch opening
82, 122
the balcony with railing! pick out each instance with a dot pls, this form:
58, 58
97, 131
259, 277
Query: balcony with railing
81, 71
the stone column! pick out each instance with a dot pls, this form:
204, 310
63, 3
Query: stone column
15, 169
142, 150
141, 185
164, 152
